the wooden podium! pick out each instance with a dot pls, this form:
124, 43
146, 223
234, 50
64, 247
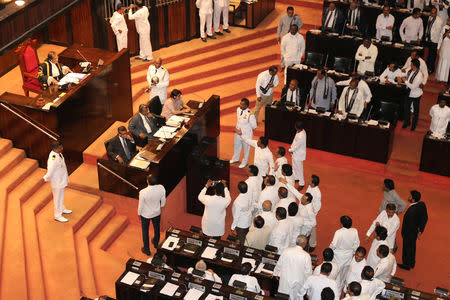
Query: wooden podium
79, 115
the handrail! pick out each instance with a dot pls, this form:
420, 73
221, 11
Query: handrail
48, 132
117, 175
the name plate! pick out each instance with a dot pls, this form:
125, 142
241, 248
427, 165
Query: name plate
415, 293
175, 231
216, 287
269, 261
237, 297
231, 251
194, 241
393, 294
196, 286
137, 263
156, 275
258, 297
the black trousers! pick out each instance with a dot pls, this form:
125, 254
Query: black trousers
145, 223
241, 233
407, 111
432, 54
409, 250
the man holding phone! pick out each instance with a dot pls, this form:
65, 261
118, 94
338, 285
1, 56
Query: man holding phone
122, 147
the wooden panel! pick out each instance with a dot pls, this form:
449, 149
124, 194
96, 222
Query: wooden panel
177, 22
81, 19
7, 62
161, 25
57, 31
194, 21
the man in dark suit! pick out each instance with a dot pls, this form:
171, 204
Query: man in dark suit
353, 23
332, 19
290, 94
143, 126
414, 222
122, 147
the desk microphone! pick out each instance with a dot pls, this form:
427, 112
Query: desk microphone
86, 66
201, 103
82, 55
345, 24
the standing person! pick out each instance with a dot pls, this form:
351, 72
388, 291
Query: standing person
369, 285
354, 292
293, 267
313, 189
205, 10
143, 29
389, 220
268, 216
263, 156
356, 266
59, 179
391, 196
245, 124
119, 27
279, 162
413, 80
292, 47
265, 83
281, 231
314, 284
213, 220
270, 192
440, 116
254, 184
151, 200
385, 23
323, 91
221, 7
298, 152
431, 38
259, 235
158, 80
250, 281
291, 94
379, 239
412, 27
328, 255
242, 212
366, 55
414, 223
443, 67
284, 25
296, 222
423, 65
332, 19
386, 266
351, 100
354, 17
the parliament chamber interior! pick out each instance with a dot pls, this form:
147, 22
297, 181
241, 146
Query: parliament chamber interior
115, 114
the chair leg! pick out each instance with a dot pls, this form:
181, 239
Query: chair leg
27, 92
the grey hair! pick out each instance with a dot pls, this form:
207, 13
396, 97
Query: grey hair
200, 265
301, 239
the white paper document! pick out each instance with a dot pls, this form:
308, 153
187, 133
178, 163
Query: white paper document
209, 253
169, 289
139, 163
213, 297
170, 239
72, 78
165, 132
193, 294
130, 278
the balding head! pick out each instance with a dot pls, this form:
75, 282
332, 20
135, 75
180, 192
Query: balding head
158, 62
200, 265
301, 241
267, 205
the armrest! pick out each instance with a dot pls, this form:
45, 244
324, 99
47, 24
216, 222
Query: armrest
31, 75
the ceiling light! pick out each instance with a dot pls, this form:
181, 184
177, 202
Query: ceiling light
20, 2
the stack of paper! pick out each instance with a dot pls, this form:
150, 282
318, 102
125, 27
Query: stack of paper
193, 294
209, 253
139, 163
169, 240
130, 278
169, 289
166, 132
72, 78
175, 121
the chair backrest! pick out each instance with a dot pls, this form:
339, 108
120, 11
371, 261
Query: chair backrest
342, 64
389, 112
314, 59
27, 57
106, 147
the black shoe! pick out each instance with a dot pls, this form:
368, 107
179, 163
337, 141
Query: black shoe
211, 37
204, 40
227, 30
413, 127
146, 252
218, 33
404, 267
311, 249
405, 125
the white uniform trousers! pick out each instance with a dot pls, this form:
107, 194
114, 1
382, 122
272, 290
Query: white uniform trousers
287, 64
217, 12
122, 40
205, 20
297, 169
145, 46
58, 201
313, 237
238, 145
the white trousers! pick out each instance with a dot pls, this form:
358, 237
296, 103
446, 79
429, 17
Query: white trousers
122, 40
205, 20
217, 12
58, 201
145, 46
297, 169
238, 145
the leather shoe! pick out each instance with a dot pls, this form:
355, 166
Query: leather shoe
405, 125
227, 30
413, 127
404, 267
67, 211
146, 252
204, 40
218, 33
61, 219
212, 37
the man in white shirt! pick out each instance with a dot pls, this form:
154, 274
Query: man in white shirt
443, 67
362, 86
254, 184
423, 65
344, 244
442, 7
158, 81
285, 200
269, 217
208, 274
259, 234
281, 232
314, 284
388, 219
390, 74
265, 83
245, 123
369, 285
354, 292
440, 116
151, 200
292, 48
298, 152
355, 267
287, 174
119, 27
431, 38
313, 189
379, 239
387, 264
296, 222
384, 24
59, 179
263, 156
205, 11
419, 4
351, 100
242, 212
280, 160
221, 7
305, 210
250, 281
413, 80
270, 192
412, 27
328, 255
366, 55
293, 267
140, 18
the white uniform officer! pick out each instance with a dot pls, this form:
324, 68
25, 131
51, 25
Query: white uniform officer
298, 151
140, 18
59, 179
119, 27
160, 88
221, 8
245, 124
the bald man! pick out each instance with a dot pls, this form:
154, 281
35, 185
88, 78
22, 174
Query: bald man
269, 217
158, 81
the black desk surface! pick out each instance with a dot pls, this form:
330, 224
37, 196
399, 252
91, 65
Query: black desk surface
435, 156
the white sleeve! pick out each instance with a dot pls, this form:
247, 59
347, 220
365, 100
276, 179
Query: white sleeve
378, 23
236, 214
402, 29
131, 16
432, 111
202, 197
141, 199
50, 170
251, 142
335, 240
149, 77
275, 81
302, 47
283, 46
258, 84
373, 54
252, 121
163, 197
372, 227
164, 82
358, 55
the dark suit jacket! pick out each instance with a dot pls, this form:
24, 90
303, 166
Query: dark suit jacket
358, 21
414, 220
284, 93
155, 106
115, 148
136, 126
338, 21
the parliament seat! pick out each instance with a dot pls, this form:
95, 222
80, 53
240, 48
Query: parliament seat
342, 64
389, 112
29, 64
314, 59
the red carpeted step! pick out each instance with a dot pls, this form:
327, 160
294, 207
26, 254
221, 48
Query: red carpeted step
5, 145
9, 159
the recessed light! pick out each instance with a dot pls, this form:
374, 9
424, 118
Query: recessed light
20, 2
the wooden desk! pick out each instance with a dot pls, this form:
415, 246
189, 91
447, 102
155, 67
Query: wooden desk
435, 156
81, 115
341, 137
249, 15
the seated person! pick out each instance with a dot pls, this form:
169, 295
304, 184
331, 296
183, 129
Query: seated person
323, 91
351, 101
366, 55
51, 71
290, 94
353, 24
208, 273
159, 260
390, 74
174, 105
251, 281
440, 116
143, 126
122, 147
